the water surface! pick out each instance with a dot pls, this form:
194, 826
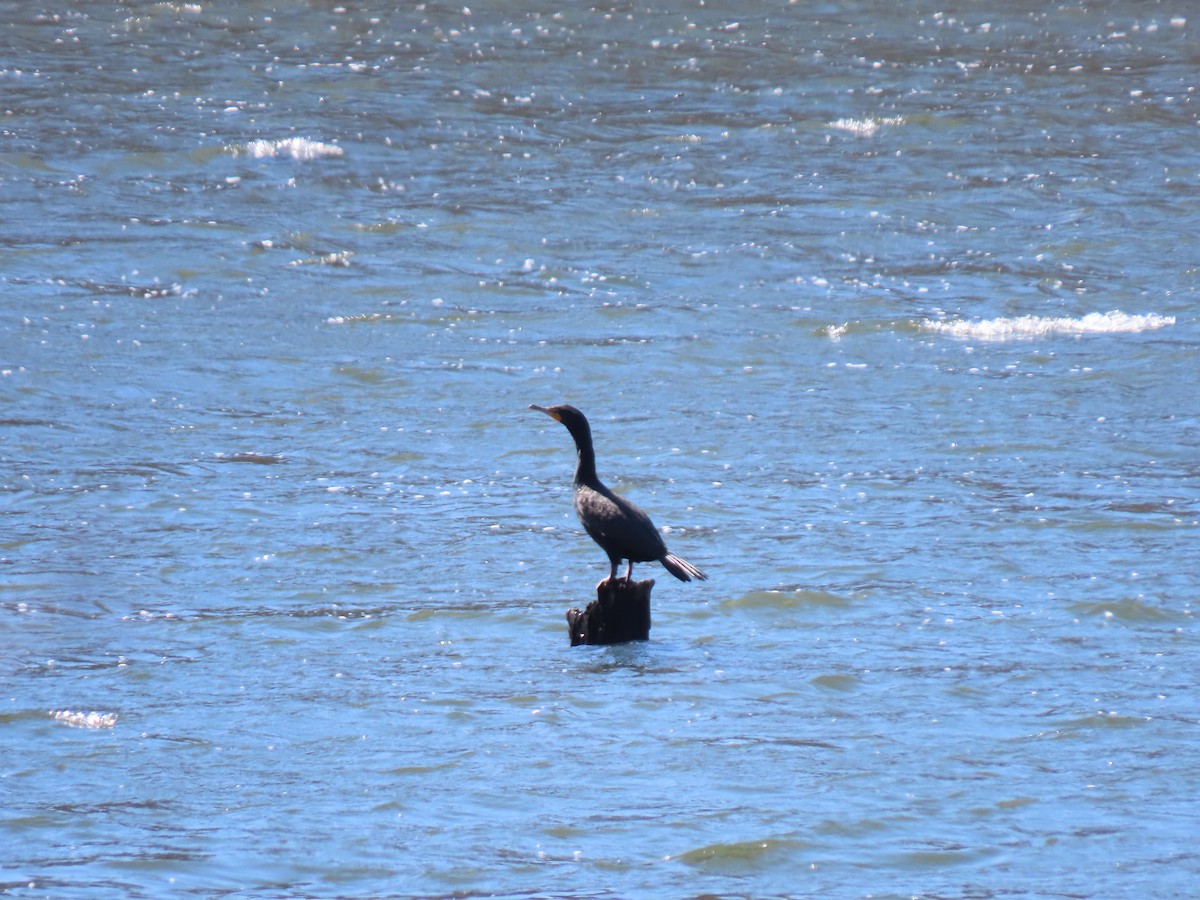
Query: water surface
887, 315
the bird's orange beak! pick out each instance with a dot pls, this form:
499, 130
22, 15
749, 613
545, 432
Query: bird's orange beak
550, 412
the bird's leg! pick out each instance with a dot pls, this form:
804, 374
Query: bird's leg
629, 573
612, 575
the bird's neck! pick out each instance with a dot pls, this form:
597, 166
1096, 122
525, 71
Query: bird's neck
585, 471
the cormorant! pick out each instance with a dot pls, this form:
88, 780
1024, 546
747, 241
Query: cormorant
621, 529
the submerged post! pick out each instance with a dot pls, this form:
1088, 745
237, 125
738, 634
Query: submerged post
620, 613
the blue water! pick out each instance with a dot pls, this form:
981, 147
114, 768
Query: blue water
887, 316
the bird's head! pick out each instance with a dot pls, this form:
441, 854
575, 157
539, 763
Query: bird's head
575, 421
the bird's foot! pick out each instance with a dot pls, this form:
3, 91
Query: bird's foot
611, 582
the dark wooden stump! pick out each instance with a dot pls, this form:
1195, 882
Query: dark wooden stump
620, 613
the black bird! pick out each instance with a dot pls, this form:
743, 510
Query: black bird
621, 529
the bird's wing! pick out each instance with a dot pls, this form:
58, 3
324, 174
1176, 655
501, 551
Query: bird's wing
617, 525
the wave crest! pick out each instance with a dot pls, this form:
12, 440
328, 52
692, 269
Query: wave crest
296, 148
1024, 327
79, 719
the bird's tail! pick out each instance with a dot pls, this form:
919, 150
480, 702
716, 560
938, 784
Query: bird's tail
682, 569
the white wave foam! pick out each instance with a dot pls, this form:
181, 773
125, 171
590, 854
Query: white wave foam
85, 720
296, 148
865, 127
341, 258
1023, 327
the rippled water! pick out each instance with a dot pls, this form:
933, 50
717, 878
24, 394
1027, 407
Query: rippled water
886, 314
